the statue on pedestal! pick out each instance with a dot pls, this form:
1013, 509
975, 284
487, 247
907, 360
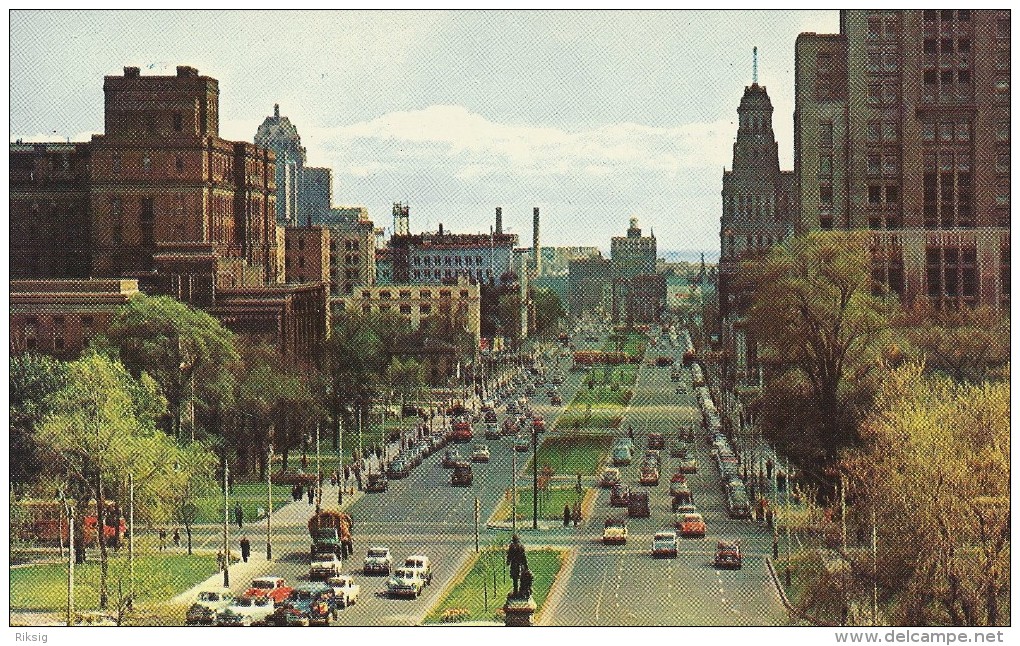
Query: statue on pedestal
517, 559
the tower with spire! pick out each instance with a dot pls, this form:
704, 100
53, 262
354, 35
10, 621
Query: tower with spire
281, 136
756, 207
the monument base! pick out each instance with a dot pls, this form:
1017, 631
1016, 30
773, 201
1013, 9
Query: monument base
519, 612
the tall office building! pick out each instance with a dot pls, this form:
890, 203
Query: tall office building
902, 128
281, 136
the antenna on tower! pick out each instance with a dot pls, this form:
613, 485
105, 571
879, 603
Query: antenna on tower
754, 68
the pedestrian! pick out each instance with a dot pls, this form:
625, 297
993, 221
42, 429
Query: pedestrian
162, 539
768, 468
357, 476
577, 513
239, 515
177, 537
630, 431
566, 515
781, 481
245, 549
311, 495
304, 461
221, 562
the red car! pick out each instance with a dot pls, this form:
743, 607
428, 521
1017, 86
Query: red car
462, 432
538, 424
678, 477
656, 441
269, 586
649, 476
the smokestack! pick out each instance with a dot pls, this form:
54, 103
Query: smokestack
440, 228
499, 219
536, 249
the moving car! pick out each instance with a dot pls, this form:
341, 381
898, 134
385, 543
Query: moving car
727, 555
246, 611
480, 454
422, 564
397, 469
491, 431
621, 456
691, 525
273, 587
378, 561
664, 544
649, 476
462, 432
405, 582
462, 476
688, 464
324, 565
618, 496
308, 604
207, 605
345, 588
522, 443
656, 441
450, 458
679, 487
637, 505
614, 531
556, 400
610, 478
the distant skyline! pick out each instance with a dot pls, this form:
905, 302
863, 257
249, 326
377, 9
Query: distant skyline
594, 117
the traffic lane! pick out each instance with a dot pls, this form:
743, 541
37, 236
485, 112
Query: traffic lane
376, 607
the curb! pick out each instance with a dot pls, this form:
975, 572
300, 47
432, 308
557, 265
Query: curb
454, 581
779, 588
552, 600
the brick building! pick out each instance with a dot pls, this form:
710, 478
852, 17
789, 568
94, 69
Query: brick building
159, 198
307, 254
902, 128
638, 295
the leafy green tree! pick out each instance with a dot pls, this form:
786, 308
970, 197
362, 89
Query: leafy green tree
548, 310
405, 378
101, 426
353, 359
190, 479
935, 470
32, 379
967, 344
185, 350
824, 335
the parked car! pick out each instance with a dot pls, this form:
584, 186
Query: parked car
691, 525
664, 544
688, 464
206, 606
405, 582
491, 431
614, 530
652, 456
378, 561
273, 587
324, 565
637, 505
727, 555
618, 496
246, 611
422, 564
462, 475
656, 441
308, 604
649, 476
556, 399
480, 454
377, 483
522, 443
610, 478
346, 589
397, 469
451, 457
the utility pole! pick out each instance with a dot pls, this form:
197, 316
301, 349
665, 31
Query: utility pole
131, 538
70, 561
226, 523
318, 473
534, 477
478, 509
269, 501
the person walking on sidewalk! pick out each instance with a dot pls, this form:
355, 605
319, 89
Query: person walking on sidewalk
311, 495
566, 515
162, 540
177, 537
245, 549
239, 515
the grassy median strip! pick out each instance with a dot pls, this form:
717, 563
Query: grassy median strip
158, 577
480, 595
572, 454
550, 504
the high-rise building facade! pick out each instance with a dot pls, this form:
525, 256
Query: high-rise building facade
902, 128
638, 294
281, 136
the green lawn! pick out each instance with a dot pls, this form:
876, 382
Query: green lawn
572, 454
476, 598
158, 577
251, 495
550, 504
600, 418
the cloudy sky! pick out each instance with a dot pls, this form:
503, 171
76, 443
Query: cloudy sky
593, 116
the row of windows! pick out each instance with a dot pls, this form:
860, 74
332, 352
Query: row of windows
946, 15
448, 260
426, 274
424, 308
884, 165
406, 293
946, 45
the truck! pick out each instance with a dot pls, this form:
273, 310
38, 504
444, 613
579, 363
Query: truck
331, 532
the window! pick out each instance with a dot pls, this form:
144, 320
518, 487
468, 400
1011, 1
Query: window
1002, 28
874, 93
425, 308
946, 131
1002, 161
930, 77
947, 77
825, 165
892, 194
874, 131
178, 122
405, 309
874, 27
825, 195
147, 162
946, 46
928, 131
890, 165
889, 131
874, 61
180, 164
463, 293
929, 46
87, 321
963, 45
874, 195
1002, 131
825, 134
301, 262
405, 293
874, 165
426, 293
963, 15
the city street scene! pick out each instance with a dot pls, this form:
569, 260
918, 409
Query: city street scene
511, 318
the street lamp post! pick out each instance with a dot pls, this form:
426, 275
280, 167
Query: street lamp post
340, 459
226, 523
318, 473
69, 510
131, 539
534, 477
269, 502
513, 487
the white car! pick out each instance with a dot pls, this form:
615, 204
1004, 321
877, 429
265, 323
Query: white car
422, 564
324, 565
378, 561
480, 454
610, 477
246, 611
208, 604
664, 544
405, 582
345, 588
